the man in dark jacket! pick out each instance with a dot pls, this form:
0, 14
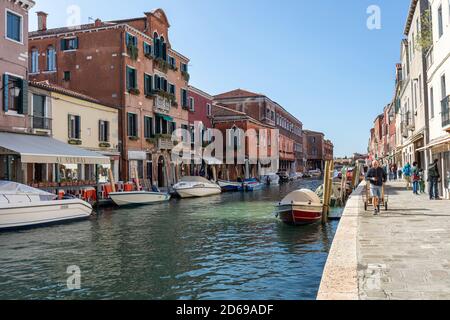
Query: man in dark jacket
433, 180
377, 177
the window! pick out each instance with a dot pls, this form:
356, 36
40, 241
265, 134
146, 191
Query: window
69, 44
40, 120
132, 125
191, 104
147, 49
440, 22
74, 127
184, 98
67, 75
34, 61
443, 88
13, 26
15, 94
431, 103
131, 40
420, 88
103, 131
51, 59
131, 78
172, 61
148, 84
184, 67
171, 88
156, 45
208, 110
148, 127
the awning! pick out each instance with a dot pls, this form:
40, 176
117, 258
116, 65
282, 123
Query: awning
165, 117
42, 149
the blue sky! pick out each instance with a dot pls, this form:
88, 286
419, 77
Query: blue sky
316, 58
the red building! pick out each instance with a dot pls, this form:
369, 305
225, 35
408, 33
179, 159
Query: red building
270, 113
227, 121
130, 64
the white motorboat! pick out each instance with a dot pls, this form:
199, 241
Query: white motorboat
229, 185
300, 207
193, 187
137, 198
23, 206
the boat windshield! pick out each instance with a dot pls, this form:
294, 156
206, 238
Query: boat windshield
194, 179
13, 192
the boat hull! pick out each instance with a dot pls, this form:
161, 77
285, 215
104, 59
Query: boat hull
23, 215
228, 186
138, 198
300, 214
198, 192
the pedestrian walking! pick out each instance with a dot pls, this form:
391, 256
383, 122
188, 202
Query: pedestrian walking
433, 180
415, 177
422, 181
377, 177
395, 170
407, 175
400, 174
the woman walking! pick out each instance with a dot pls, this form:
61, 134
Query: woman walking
407, 175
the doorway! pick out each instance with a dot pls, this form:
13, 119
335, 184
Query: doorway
161, 172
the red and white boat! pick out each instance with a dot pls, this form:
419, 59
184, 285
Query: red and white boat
300, 207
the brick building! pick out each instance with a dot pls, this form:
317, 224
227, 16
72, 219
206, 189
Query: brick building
228, 121
328, 150
270, 113
139, 72
314, 149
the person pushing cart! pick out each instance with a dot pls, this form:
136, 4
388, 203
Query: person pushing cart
376, 177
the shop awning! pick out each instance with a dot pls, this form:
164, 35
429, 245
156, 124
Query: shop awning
165, 117
42, 149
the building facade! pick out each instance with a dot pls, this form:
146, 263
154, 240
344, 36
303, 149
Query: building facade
14, 65
140, 73
270, 113
315, 150
80, 121
438, 66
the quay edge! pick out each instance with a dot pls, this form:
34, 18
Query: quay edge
340, 276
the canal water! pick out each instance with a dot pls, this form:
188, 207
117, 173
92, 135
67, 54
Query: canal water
223, 247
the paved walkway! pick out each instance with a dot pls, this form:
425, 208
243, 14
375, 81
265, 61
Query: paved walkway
402, 254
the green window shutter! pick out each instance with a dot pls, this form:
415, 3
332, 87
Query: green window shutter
76, 43
5, 92
107, 131
68, 127
77, 127
100, 131
63, 44
23, 106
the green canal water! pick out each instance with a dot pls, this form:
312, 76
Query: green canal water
224, 247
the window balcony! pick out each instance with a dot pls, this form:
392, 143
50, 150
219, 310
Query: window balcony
445, 114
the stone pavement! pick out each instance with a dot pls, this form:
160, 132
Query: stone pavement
402, 254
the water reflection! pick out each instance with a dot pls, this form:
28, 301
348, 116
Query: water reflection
223, 247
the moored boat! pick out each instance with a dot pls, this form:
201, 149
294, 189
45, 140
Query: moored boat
136, 198
251, 185
271, 179
300, 207
228, 186
194, 187
22, 206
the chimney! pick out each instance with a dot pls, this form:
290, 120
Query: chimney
98, 22
42, 21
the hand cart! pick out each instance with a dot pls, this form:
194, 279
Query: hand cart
368, 201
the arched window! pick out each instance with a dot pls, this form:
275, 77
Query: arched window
156, 45
34, 60
163, 49
51, 59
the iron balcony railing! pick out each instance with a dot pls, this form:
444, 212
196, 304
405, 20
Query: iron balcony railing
445, 112
42, 123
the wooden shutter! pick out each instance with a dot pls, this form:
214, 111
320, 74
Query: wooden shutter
63, 44
5, 92
69, 126
76, 43
23, 105
77, 127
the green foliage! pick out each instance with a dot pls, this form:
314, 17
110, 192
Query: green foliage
424, 39
133, 52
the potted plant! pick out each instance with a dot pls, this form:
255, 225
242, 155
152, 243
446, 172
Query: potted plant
134, 91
